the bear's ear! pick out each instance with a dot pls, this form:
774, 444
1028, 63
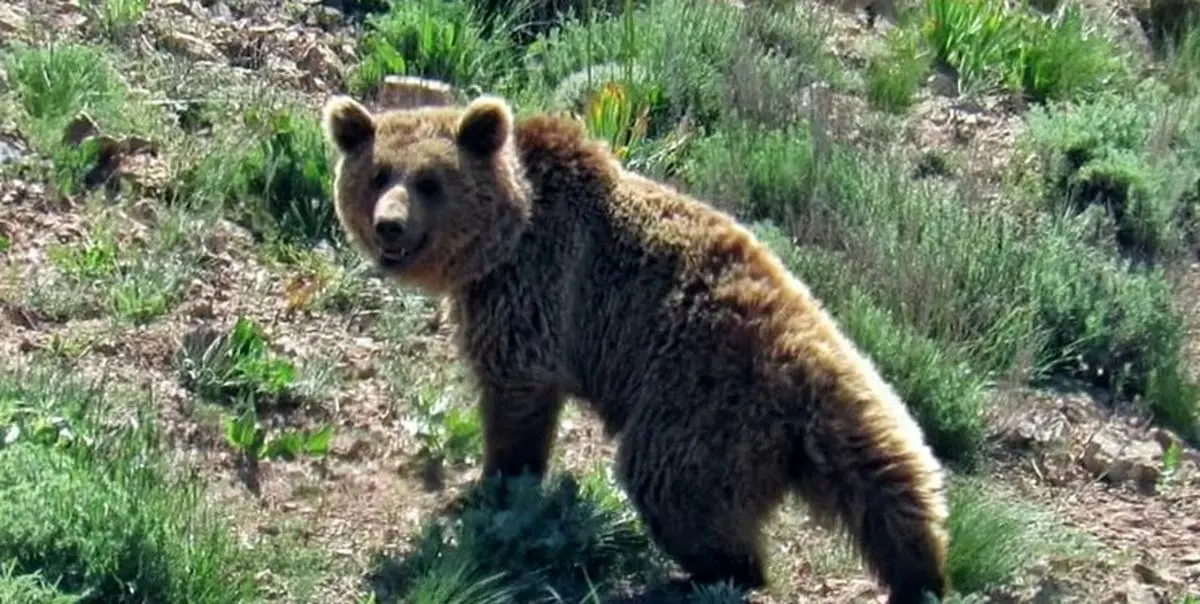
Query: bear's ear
347, 124
485, 126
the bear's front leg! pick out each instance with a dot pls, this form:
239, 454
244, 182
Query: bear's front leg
518, 428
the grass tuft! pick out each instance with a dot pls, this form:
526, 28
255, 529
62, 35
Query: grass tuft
523, 540
992, 46
90, 505
994, 537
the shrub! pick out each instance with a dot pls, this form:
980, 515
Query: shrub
549, 539
1032, 297
1130, 155
710, 60
895, 75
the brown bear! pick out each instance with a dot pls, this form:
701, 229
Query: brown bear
725, 381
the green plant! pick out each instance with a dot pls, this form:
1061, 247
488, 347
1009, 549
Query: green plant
436, 39
137, 281
445, 429
991, 45
895, 75
994, 537
619, 114
116, 18
246, 435
1129, 155
235, 366
1032, 298
524, 541
91, 510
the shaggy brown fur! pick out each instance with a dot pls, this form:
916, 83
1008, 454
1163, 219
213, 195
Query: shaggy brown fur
728, 384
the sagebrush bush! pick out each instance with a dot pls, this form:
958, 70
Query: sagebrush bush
1030, 297
1134, 155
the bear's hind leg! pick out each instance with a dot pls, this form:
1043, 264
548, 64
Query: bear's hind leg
688, 513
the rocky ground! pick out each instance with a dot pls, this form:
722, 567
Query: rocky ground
1104, 473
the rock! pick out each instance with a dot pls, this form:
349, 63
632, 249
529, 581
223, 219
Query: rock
1136, 593
9, 151
943, 82
323, 62
13, 20
328, 17
1123, 460
190, 46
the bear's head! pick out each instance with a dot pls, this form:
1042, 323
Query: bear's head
434, 195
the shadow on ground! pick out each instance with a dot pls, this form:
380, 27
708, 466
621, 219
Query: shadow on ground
561, 541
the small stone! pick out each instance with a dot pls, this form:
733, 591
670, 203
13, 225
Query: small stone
1136, 593
190, 46
322, 61
13, 20
1121, 460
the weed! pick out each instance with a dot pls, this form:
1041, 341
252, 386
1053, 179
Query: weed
117, 19
235, 367
246, 435
136, 281
992, 46
279, 187
89, 508
448, 431
994, 537
544, 539
894, 75
431, 38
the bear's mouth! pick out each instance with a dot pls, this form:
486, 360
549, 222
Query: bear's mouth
393, 259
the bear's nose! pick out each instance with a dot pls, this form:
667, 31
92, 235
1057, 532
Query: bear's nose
389, 230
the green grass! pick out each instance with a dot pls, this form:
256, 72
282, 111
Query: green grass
896, 72
995, 538
993, 47
136, 281
91, 507
945, 297
524, 543
1030, 298
280, 187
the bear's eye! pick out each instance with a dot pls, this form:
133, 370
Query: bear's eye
427, 186
383, 175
